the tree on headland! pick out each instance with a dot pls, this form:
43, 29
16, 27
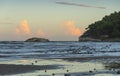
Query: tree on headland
108, 27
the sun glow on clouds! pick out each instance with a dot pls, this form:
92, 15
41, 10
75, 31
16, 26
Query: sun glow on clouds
68, 29
23, 28
40, 33
71, 29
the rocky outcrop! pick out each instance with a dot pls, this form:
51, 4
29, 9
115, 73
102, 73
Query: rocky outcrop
83, 39
35, 39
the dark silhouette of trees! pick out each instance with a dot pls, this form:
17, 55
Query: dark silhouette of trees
108, 27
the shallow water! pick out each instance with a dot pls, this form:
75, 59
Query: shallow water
21, 50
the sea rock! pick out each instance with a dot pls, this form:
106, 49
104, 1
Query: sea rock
35, 39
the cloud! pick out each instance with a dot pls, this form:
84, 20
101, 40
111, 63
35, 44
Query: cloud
40, 33
23, 28
81, 5
71, 29
17, 31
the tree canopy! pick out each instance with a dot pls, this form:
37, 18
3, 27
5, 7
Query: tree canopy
108, 27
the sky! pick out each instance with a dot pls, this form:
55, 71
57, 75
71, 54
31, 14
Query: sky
56, 20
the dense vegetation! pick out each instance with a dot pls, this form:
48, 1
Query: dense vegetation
108, 27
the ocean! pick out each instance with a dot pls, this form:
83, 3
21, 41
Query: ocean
13, 50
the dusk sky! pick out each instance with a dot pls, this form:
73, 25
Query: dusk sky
57, 20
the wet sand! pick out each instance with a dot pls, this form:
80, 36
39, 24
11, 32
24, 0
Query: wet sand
8, 69
13, 69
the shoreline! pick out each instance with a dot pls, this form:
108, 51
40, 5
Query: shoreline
86, 59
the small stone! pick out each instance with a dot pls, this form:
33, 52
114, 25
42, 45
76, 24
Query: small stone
36, 61
53, 74
45, 70
32, 63
66, 74
67, 70
90, 71
118, 72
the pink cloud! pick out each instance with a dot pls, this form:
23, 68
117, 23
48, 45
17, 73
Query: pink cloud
23, 28
70, 29
40, 33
